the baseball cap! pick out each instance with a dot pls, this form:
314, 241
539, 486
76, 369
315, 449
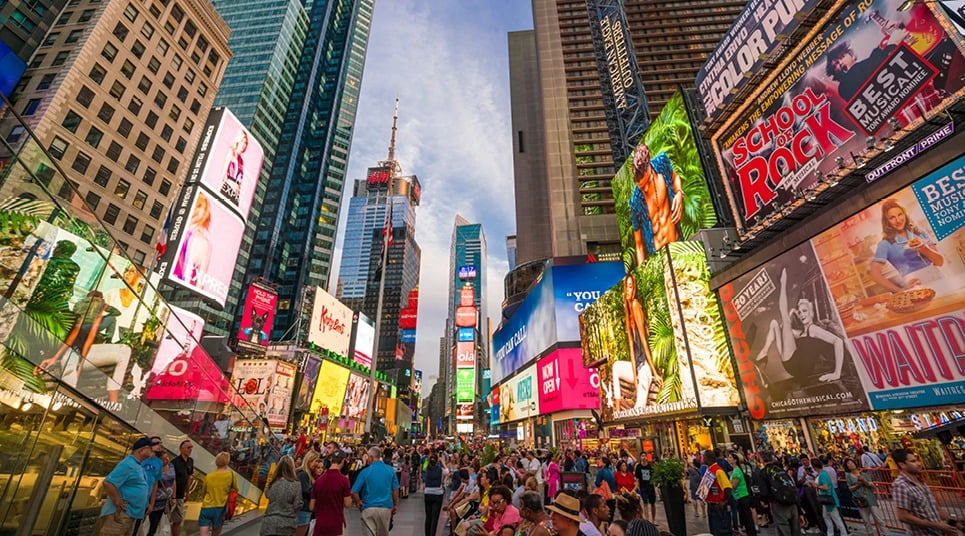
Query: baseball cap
142, 442
338, 456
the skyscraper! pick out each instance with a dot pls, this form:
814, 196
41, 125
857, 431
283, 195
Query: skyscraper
267, 39
671, 41
382, 213
467, 277
295, 235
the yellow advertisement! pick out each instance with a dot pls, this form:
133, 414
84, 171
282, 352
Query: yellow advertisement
330, 388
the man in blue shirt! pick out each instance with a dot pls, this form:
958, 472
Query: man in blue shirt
127, 492
376, 494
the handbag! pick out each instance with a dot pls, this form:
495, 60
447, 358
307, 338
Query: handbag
604, 491
825, 499
232, 499
860, 501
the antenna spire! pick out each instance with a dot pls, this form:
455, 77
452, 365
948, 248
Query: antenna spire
395, 123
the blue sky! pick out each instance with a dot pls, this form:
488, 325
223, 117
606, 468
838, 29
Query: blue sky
447, 60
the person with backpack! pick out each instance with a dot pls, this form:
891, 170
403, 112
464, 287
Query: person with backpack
781, 492
436, 472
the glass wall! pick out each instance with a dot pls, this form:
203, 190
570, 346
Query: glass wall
91, 357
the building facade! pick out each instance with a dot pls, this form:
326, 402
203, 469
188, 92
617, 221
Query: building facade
24, 24
295, 235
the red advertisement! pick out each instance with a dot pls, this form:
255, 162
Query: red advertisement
465, 355
184, 371
258, 316
565, 384
465, 316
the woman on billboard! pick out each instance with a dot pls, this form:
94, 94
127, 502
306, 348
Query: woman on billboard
802, 344
195, 254
234, 168
907, 248
636, 326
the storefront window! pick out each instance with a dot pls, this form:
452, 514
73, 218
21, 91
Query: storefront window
783, 436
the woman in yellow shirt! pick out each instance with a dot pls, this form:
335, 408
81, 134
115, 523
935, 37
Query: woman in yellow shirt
217, 485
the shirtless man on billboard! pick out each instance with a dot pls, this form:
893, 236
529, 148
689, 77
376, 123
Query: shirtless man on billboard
656, 204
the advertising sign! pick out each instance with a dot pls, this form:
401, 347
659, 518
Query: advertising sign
660, 192
873, 68
331, 323
11, 69
465, 385
564, 383
184, 371
258, 316
408, 318
465, 335
356, 397
465, 355
281, 395
306, 389
379, 175
518, 397
757, 33
550, 313
265, 387
494, 407
183, 330
232, 161
364, 340
467, 295
467, 273
466, 316
330, 389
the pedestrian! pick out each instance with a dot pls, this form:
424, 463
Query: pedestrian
306, 478
284, 500
643, 472
501, 509
163, 494
864, 498
183, 465
693, 479
828, 498
533, 518
780, 491
596, 513
624, 479
376, 494
718, 493
806, 476
331, 495
217, 486
605, 474
553, 477
565, 515
914, 501
404, 477
127, 492
435, 475
742, 495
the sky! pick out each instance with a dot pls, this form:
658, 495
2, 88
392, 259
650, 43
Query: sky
448, 63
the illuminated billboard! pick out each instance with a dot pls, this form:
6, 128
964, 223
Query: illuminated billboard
467, 273
465, 335
378, 175
11, 69
564, 383
183, 370
465, 385
465, 355
258, 316
466, 316
873, 71
232, 161
306, 388
364, 346
550, 313
356, 397
330, 389
518, 396
265, 385
330, 326
660, 192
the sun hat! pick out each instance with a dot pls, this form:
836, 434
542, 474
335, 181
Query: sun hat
566, 505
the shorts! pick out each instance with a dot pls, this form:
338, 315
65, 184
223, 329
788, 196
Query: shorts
648, 494
116, 524
212, 517
304, 519
176, 515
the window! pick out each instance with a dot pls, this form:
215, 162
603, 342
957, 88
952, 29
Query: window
144, 85
165, 188
177, 13
127, 69
135, 105
147, 233
140, 198
173, 164
45, 81
65, 18
57, 147
133, 163
111, 214
103, 176
202, 44
97, 73
169, 28
71, 121
124, 127
158, 154
142, 141
60, 58
21, 85
156, 209
31, 107
106, 113
38, 60
73, 36
22, 21
120, 32
117, 90
163, 47
15, 134
138, 49
131, 13
51, 39
154, 65
188, 125
151, 119
86, 15
92, 200
214, 58
189, 76
195, 106
138, 257
94, 137
67, 190
166, 132
168, 80
114, 151
160, 99
155, 11
130, 224
175, 113
176, 61
181, 144
149, 175
182, 94
190, 29
122, 188
147, 30
202, 89
85, 96
109, 52
81, 163
183, 42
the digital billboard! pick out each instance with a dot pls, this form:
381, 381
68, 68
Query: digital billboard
465, 355
467, 273
466, 316
265, 386
183, 370
873, 71
364, 340
330, 389
11, 70
233, 166
306, 388
550, 313
564, 383
356, 397
465, 335
258, 316
331, 324
518, 396
494, 411
465, 385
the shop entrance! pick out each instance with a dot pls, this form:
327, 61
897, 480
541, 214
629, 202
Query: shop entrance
55, 451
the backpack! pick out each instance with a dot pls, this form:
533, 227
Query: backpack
756, 482
781, 487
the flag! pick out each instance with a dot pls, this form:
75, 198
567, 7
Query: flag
162, 240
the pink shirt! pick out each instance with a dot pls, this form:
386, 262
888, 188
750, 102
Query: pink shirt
496, 520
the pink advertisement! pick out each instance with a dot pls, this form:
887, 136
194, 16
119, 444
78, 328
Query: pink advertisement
233, 162
183, 370
565, 384
258, 316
